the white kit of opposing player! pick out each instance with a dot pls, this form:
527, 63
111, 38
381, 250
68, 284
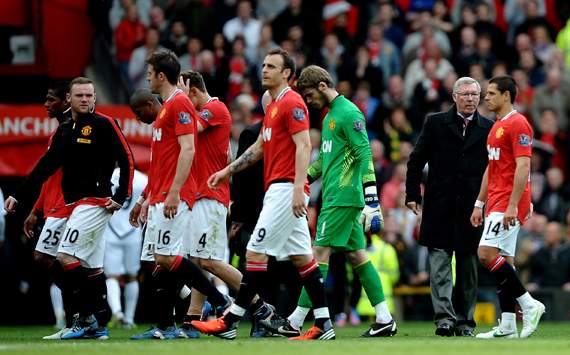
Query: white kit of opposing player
122, 254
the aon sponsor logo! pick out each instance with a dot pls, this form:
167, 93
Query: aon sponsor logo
327, 146
266, 134
494, 153
157, 134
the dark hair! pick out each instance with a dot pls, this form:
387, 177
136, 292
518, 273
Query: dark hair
288, 62
80, 80
165, 62
196, 80
505, 83
141, 96
59, 88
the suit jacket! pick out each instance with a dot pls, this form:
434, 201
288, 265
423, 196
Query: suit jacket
456, 166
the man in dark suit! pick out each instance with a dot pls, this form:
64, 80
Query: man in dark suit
453, 144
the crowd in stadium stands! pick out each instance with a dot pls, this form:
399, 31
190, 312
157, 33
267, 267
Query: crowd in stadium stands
397, 60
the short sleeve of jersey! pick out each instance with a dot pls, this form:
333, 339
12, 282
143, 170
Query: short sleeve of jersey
521, 138
297, 117
208, 117
183, 114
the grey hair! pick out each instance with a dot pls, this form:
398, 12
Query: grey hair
465, 80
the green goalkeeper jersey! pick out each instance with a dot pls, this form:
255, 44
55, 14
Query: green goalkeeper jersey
344, 161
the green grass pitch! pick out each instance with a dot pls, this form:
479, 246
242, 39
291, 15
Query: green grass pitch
412, 338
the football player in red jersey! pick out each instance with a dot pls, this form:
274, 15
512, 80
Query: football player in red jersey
171, 193
282, 230
208, 241
51, 205
506, 190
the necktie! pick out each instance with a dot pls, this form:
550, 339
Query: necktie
465, 123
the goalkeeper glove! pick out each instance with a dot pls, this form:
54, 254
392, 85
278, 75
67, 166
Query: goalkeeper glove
371, 217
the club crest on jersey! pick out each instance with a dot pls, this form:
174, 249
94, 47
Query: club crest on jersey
205, 114
332, 124
86, 130
273, 112
499, 132
358, 126
298, 114
184, 118
524, 140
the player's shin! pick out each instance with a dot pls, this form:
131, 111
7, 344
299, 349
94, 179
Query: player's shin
314, 285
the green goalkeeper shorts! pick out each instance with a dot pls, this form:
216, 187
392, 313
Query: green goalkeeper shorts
339, 228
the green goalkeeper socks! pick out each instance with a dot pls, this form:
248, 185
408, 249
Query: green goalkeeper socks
304, 300
370, 281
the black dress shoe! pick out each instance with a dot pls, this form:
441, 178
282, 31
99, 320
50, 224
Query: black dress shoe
465, 332
444, 330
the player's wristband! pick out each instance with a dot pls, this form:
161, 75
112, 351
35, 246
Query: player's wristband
140, 200
479, 204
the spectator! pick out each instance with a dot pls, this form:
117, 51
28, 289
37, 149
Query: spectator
177, 39
441, 18
563, 42
215, 78
246, 26
368, 105
191, 58
129, 34
466, 53
392, 189
485, 55
137, 66
382, 166
383, 53
550, 266
237, 67
515, 12
428, 95
534, 18
553, 95
556, 140
554, 201
395, 130
392, 31
158, 21
121, 7
331, 55
460, 5
394, 97
298, 13
266, 44
417, 43
543, 46
362, 69
532, 68
405, 219
523, 101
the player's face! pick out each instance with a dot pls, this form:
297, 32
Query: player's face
145, 112
315, 98
153, 80
467, 98
53, 104
494, 99
82, 98
272, 72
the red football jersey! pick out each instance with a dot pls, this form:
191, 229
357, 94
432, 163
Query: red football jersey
510, 137
213, 150
177, 117
284, 116
51, 201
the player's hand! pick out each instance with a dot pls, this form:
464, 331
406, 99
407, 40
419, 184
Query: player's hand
29, 224
134, 215
476, 217
415, 207
184, 86
510, 218
299, 205
10, 204
530, 212
219, 178
171, 204
371, 217
234, 229
144, 212
112, 206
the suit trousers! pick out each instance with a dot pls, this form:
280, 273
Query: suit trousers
453, 304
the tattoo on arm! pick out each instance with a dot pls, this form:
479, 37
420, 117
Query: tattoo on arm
245, 160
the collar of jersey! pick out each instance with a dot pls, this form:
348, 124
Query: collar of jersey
508, 115
282, 93
177, 91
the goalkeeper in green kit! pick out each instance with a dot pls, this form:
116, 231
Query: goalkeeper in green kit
350, 200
